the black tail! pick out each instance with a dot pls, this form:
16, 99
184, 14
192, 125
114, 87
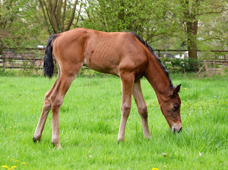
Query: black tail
48, 58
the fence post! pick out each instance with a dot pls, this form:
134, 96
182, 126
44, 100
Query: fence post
159, 53
3, 62
207, 70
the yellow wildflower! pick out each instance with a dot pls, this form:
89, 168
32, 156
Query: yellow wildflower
155, 169
185, 88
13, 167
12, 160
23, 163
4, 166
16, 160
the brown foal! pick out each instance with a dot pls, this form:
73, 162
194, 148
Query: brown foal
123, 54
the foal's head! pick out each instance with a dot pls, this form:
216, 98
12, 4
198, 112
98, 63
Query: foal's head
170, 108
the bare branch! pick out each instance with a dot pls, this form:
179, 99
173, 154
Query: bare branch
58, 16
45, 16
72, 16
79, 13
63, 17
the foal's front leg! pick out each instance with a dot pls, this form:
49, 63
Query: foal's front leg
127, 80
142, 108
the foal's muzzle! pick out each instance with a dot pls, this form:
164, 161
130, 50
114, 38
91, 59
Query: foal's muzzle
177, 128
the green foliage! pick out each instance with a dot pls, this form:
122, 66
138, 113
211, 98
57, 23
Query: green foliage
151, 20
89, 122
18, 24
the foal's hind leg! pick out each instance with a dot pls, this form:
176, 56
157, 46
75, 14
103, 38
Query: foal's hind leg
44, 113
56, 101
142, 108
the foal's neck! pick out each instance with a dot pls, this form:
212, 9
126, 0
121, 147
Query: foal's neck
157, 77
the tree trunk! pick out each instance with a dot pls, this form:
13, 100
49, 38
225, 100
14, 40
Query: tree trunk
192, 39
190, 15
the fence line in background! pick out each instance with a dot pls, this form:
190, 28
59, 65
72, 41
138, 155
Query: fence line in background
32, 58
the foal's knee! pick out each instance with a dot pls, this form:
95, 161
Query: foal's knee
125, 109
56, 102
47, 101
143, 111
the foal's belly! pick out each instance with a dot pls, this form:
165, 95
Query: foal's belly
105, 64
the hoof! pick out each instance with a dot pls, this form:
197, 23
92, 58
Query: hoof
35, 139
148, 137
120, 140
57, 145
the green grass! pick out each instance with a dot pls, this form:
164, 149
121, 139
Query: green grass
89, 122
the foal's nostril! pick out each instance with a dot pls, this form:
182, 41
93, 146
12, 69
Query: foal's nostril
173, 129
180, 129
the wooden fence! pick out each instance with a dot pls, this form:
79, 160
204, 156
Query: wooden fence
25, 58
212, 61
32, 58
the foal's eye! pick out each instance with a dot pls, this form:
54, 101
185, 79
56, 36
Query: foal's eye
175, 107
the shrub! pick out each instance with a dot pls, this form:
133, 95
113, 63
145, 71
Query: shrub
184, 65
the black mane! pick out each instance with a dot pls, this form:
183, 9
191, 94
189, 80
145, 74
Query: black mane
153, 53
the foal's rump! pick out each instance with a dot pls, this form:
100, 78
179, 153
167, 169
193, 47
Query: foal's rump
68, 50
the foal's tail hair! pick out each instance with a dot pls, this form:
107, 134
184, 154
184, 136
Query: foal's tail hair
48, 58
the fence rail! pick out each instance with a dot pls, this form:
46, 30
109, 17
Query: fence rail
202, 54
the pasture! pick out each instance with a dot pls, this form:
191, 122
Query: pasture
89, 123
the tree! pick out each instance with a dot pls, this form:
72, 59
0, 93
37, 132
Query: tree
192, 11
59, 15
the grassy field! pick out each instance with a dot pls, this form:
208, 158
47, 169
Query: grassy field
89, 122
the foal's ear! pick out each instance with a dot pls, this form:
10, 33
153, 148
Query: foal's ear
175, 90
